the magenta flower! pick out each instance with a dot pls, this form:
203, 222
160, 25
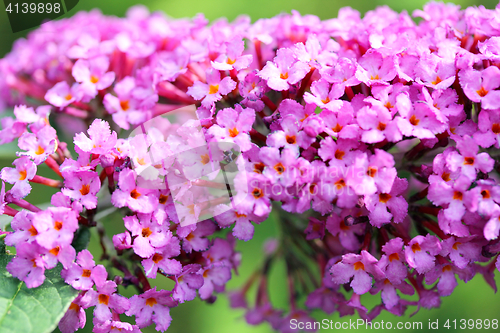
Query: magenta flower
40, 145
93, 75
469, 161
232, 58
358, 267
243, 227
442, 194
435, 72
378, 125
61, 95
105, 299
420, 253
374, 68
161, 260
152, 307
124, 107
28, 265
380, 204
212, 91
128, 194
20, 176
100, 141
372, 174
233, 125
392, 262
284, 71
149, 234
74, 318
348, 234
55, 227
23, 226
489, 129
389, 294
480, 86
83, 187
324, 95
83, 274
187, 283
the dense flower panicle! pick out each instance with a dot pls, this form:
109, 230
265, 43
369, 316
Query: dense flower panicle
372, 141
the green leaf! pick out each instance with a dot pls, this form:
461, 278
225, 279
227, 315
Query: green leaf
81, 239
36, 310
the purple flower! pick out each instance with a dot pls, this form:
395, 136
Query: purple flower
480, 86
233, 58
149, 235
489, 129
128, 194
152, 307
28, 264
469, 161
105, 299
359, 267
101, 140
284, 70
187, 283
161, 260
55, 227
420, 253
82, 186
61, 95
93, 75
213, 90
374, 68
40, 145
74, 318
379, 204
233, 125
20, 176
392, 262
83, 274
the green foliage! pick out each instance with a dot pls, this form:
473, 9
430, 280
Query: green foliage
36, 310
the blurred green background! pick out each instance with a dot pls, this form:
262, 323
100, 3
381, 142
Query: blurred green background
474, 301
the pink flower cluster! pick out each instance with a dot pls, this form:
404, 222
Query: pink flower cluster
374, 139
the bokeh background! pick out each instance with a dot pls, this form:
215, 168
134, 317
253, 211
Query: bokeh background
474, 301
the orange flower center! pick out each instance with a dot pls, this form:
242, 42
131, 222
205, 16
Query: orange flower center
146, 232
414, 121
469, 160
213, 89
485, 194
339, 154
495, 128
384, 197
457, 195
416, 247
233, 132
68, 97
163, 199
22, 174
58, 225
381, 126
205, 159
279, 168
134, 194
157, 258
290, 139
257, 193
372, 171
482, 92
258, 167
86, 273
94, 79
393, 256
151, 301
85, 189
284, 76
437, 80
39, 150
103, 299
359, 265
